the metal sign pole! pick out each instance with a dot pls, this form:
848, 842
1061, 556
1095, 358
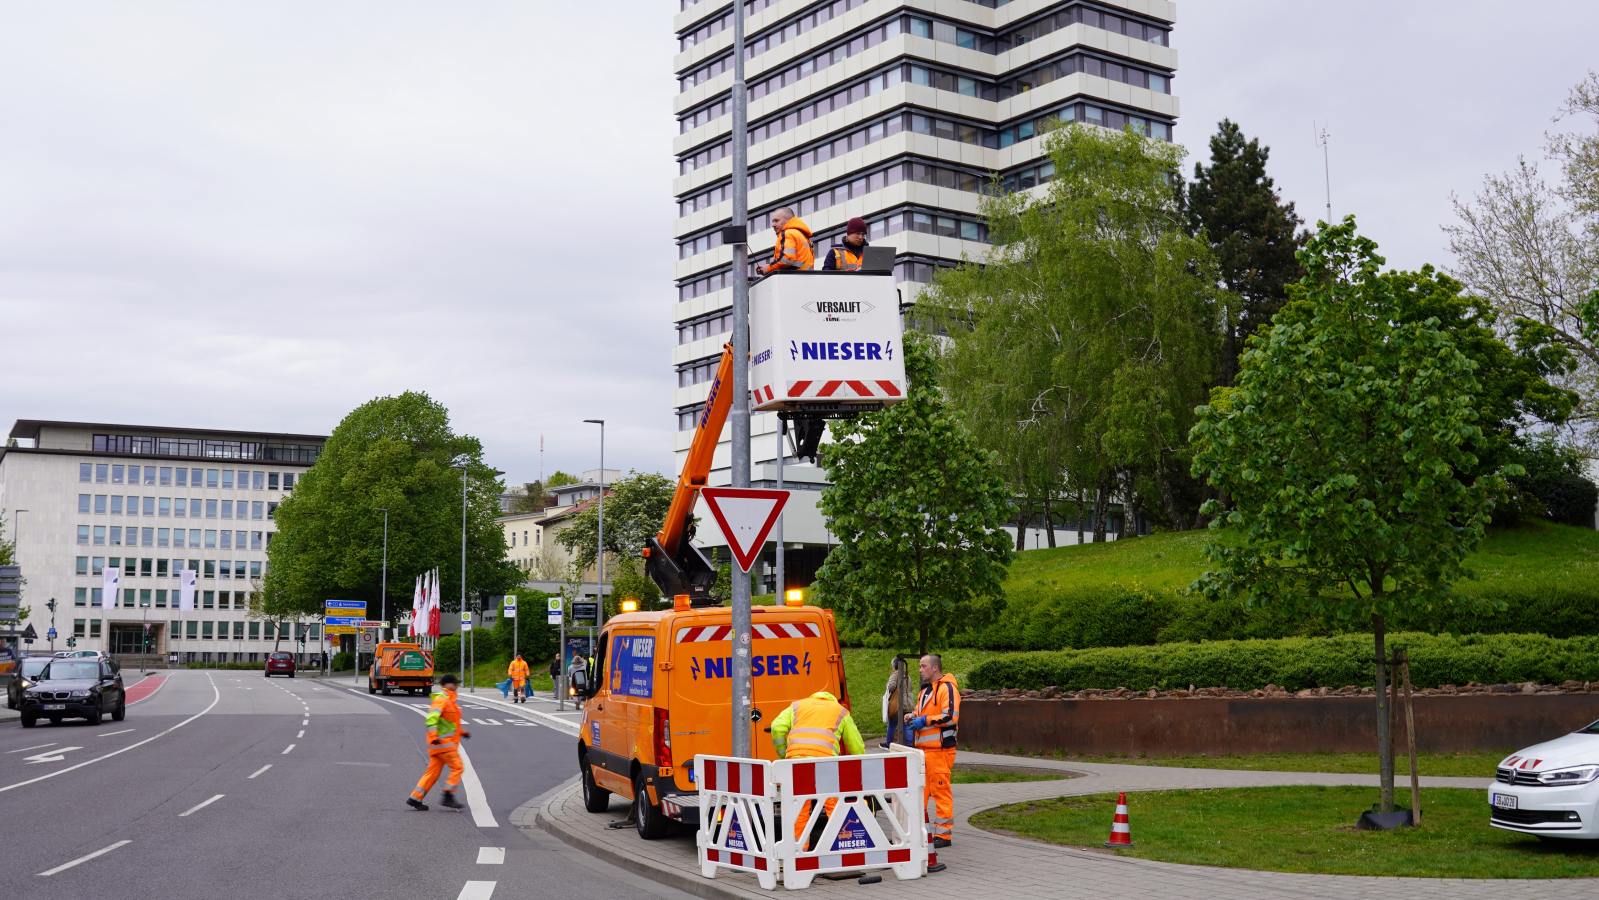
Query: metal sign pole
742, 675
560, 665
782, 450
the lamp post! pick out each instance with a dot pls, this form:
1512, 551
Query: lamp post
466, 636
599, 559
383, 601
743, 697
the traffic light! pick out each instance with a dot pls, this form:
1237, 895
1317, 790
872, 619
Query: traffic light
72, 642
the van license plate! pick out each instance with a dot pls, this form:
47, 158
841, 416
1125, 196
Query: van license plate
54, 706
1504, 801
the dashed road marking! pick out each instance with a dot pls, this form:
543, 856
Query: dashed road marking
287, 749
301, 734
476, 890
259, 771
102, 852
110, 733
490, 856
34, 747
201, 805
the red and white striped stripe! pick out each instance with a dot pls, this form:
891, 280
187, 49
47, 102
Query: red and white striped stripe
732, 776
736, 860
831, 861
850, 775
763, 394
844, 389
696, 634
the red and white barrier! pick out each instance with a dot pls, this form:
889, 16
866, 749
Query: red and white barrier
738, 822
856, 835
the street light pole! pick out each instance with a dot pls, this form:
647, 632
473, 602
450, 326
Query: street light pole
384, 600
742, 675
599, 586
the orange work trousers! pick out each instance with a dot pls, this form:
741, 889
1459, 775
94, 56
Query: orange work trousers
828, 806
438, 758
939, 763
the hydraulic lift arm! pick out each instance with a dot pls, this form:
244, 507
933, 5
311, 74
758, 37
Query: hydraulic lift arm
670, 559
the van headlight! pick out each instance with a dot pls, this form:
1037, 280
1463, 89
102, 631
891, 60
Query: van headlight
1569, 775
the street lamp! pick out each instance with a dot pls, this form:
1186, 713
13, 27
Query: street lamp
466, 636
383, 600
599, 586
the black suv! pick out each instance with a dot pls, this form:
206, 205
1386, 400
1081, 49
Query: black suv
78, 688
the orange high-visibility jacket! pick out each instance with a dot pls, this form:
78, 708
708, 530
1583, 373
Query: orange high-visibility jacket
940, 705
793, 247
444, 718
816, 726
843, 259
518, 670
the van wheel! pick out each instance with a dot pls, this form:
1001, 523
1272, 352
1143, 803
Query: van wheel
652, 823
595, 798
370, 689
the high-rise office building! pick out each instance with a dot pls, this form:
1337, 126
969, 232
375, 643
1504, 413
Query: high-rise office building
150, 502
901, 113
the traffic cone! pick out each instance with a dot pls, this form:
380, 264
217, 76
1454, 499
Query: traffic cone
933, 865
1121, 833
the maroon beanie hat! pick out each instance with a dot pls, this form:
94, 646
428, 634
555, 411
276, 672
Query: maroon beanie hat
856, 225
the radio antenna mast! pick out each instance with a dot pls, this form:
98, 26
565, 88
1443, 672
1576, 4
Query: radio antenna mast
1322, 139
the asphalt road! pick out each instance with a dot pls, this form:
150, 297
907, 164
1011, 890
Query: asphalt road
284, 788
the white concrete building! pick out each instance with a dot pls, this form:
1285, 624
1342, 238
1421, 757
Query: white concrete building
897, 111
151, 501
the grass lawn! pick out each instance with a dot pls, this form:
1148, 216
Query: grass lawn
995, 775
867, 672
1301, 829
1468, 764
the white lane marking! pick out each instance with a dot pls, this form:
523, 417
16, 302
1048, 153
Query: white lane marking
201, 805
301, 734
56, 755
259, 771
305, 721
566, 725
82, 859
110, 733
34, 747
524, 724
482, 816
476, 890
490, 856
287, 749
493, 721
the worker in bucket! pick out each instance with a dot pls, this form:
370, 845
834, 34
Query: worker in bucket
793, 251
847, 255
444, 741
934, 725
817, 726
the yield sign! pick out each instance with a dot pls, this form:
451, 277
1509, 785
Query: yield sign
746, 516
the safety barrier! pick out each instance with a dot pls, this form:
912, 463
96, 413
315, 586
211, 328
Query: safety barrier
875, 820
738, 824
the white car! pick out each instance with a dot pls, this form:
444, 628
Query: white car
1551, 789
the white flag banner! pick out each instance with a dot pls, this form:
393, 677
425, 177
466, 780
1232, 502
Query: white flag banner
416, 601
433, 606
186, 583
110, 586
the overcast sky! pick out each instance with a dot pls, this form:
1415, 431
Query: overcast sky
258, 216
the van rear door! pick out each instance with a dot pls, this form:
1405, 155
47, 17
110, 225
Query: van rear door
794, 654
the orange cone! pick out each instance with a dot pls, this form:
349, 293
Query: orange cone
1121, 833
933, 865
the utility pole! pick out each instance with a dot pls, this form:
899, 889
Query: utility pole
599, 560
384, 601
742, 676
1323, 139
782, 452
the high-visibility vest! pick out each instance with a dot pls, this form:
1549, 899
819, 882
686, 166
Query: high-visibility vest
793, 247
444, 717
942, 710
518, 670
815, 729
847, 260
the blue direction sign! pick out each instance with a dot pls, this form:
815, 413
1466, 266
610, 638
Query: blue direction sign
344, 604
51, 634
347, 621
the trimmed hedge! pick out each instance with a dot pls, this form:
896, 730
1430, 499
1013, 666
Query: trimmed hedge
1297, 663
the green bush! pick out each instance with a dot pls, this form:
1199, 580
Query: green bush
1297, 663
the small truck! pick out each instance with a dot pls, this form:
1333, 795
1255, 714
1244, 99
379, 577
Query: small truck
400, 666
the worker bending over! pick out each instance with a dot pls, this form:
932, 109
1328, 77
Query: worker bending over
817, 726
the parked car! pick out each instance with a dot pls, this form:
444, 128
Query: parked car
280, 663
1550, 789
75, 689
27, 670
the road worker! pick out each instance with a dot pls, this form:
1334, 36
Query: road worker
793, 249
577, 679
847, 256
444, 740
518, 672
937, 716
817, 726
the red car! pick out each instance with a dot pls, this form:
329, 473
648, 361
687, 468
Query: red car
280, 664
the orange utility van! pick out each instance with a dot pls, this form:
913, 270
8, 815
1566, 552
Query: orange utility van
400, 666
664, 693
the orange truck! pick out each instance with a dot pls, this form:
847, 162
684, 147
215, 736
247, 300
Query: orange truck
400, 666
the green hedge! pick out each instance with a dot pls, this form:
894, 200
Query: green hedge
1296, 663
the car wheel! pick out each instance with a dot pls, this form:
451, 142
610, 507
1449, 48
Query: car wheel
29, 721
291, 674
122, 709
652, 823
595, 798
95, 716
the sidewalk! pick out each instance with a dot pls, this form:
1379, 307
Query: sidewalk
982, 863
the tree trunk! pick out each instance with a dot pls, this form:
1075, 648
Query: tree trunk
1100, 492
1080, 503
1023, 513
921, 640
1049, 521
1385, 745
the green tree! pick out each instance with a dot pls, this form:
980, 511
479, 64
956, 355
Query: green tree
629, 580
917, 507
1344, 448
1080, 346
535, 493
397, 453
635, 507
1234, 204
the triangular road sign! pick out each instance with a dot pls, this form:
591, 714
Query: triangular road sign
746, 516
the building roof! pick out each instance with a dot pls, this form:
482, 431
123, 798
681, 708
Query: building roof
29, 429
570, 511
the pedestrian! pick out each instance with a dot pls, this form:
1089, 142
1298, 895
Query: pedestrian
577, 679
817, 726
444, 740
792, 252
847, 255
518, 673
894, 703
935, 722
